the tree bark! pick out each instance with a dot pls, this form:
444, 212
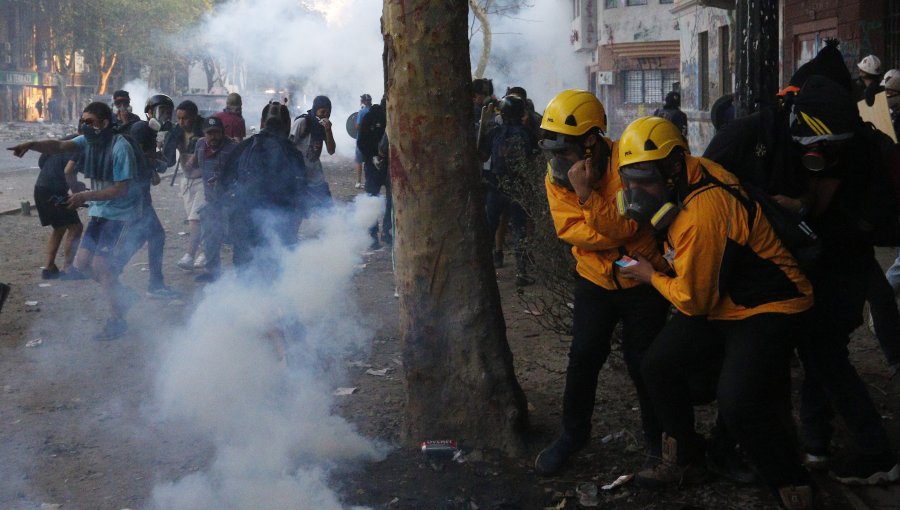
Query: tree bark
459, 373
105, 73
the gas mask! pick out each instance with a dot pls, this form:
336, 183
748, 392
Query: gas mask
557, 149
647, 197
819, 156
94, 135
163, 116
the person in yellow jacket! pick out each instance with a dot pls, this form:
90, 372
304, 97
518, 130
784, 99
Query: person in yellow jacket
581, 185
740, 298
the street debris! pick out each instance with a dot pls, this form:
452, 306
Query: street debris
45, 285
379, 373
587, 495
340, 392
31, 303
34, 342
622, 480
358, 364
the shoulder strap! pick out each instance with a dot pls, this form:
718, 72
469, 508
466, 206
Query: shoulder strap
749, 204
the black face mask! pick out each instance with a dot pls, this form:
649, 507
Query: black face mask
95, 135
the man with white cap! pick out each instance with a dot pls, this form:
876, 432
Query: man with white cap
870, 78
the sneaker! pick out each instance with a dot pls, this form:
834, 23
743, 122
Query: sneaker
200, 261
206, 278
669, 471
796, 497
867, 470
523, 280
4, 293
162, 292
50, 273
113, 329
553, 457
359, 185
73, 274
186, 263
498, 259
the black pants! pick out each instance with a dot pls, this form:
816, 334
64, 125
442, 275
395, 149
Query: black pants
597, 311
496, 203
830, 378
146, 229
885, 315
376, 178
753, 390
257, 234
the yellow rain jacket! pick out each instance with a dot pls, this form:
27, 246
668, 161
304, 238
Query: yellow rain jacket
725, 268
598, 234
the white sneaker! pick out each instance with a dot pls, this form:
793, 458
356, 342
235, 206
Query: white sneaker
200, 261
186, 262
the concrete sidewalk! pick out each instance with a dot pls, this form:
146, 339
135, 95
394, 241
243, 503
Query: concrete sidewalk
16, 187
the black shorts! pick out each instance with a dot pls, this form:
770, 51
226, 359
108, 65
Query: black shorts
102, 236
50, 214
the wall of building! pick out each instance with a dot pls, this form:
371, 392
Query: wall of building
632, 38
693, 20
858, 24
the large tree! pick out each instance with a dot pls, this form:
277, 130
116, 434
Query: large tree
459, 372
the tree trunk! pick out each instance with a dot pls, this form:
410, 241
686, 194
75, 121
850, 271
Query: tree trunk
487, 37
104, 73
459, 373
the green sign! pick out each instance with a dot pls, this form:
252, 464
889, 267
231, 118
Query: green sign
19, 78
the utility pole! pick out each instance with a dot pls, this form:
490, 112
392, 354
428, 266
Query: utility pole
756, 38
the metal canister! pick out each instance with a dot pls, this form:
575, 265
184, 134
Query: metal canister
439, 449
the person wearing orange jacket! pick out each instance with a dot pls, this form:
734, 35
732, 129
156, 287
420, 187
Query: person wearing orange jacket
740, 298
581, 186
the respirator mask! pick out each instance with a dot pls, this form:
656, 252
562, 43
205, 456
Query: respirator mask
163, 117
647, 197
562, 151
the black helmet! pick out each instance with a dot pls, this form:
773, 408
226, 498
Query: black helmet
512, 108
366, 99
159, 100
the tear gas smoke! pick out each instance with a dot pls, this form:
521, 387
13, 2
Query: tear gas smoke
270, 422
334, 48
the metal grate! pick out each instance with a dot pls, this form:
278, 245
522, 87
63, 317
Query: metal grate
649, 86
635, 2
611, 4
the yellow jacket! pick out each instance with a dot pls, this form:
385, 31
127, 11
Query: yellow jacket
723, 268
598, 234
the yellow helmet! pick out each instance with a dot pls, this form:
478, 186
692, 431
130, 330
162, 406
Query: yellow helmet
649, 139
573, 112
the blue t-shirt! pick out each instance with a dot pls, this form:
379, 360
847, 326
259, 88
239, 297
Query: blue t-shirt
125, 208
362, 113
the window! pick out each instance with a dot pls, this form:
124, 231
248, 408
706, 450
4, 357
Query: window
703, 69
611, 4
725, 59
649, 86
666, 1
635, 2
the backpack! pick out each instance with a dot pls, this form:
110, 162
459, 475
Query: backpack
265, 170
796, 235
371, 129
877, 208
510, 149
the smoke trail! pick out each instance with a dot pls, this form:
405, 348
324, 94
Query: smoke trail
272, 428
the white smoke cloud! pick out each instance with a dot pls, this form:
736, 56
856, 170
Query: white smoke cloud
139, 91
270, 421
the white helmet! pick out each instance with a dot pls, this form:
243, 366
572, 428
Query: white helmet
893, 84
890, 73
869, 65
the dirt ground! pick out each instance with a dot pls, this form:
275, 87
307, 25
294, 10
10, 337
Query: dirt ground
72, 410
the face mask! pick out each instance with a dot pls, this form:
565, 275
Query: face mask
163, 117
92, 134
559, 171
894, 102
636, 203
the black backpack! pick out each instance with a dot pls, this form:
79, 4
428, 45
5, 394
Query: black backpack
371, 129
796, 235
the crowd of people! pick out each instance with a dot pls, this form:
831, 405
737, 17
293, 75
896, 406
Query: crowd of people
699, 259
692, 254
251, 192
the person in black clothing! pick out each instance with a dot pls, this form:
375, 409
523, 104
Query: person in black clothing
264, 192
368, 143
123, 118
50, 191
671, 111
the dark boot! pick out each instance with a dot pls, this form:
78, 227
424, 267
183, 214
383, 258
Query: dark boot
553, 457
670, 471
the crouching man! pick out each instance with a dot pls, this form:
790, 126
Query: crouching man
740, 299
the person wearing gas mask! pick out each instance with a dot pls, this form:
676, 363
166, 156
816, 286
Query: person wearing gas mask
232, 120
309, 133
739, 298
122, 109
109, 162
210, 155
581, 184
183, 136
891, 84
869, 81
853, 206
264, 192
